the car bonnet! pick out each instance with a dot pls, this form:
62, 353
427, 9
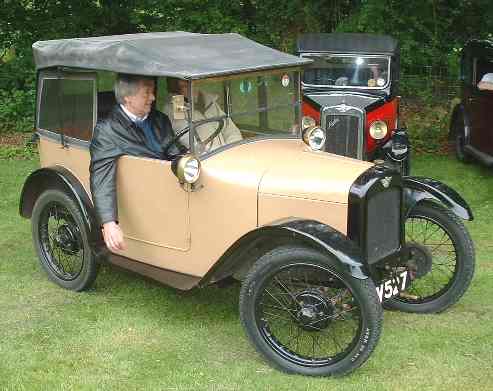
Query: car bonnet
296, 171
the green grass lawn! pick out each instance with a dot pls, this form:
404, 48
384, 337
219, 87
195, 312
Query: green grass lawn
131, 333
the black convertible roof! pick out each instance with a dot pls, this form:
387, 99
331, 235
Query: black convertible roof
347, 43
177, 54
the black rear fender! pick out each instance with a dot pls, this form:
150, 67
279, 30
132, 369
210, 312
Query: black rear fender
57, 177
241, 256
417, 189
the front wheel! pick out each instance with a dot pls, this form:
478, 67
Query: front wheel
306, 314
442, 260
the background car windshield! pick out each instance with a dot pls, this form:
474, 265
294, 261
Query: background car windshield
251, 105
348, 71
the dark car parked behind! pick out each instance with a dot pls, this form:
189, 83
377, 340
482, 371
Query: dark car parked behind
472, 119
351, 91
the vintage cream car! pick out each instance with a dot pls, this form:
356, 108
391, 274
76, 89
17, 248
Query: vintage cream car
317, 240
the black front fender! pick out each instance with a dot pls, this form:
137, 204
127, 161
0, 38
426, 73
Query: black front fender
328, 240
240, 257
417, 189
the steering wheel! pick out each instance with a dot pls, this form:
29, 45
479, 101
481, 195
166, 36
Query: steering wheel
186, 129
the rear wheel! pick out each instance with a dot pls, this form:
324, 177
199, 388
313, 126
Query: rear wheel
61, 241
442, 260
305, 314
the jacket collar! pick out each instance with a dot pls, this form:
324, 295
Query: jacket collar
132, 116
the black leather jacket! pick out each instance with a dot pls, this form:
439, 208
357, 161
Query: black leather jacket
116, 136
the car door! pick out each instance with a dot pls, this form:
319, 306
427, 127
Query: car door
153, 211
482, 135
481, 103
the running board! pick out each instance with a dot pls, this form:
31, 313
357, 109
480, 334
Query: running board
176, 280
481, 156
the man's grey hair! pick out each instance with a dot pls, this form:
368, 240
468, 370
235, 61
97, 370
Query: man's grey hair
127, 85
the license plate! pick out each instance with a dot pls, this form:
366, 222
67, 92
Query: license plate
392, 287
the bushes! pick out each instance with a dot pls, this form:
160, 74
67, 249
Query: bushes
428, 124
16, 146
16, 110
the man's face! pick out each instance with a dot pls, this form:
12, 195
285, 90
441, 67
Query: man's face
140, 103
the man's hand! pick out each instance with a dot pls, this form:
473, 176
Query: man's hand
113, 236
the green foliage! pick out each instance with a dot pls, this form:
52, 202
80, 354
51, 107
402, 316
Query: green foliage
17, 110
427, 124
17, 152
430, 32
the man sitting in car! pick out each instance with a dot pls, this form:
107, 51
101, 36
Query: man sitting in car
134, 128
205, 107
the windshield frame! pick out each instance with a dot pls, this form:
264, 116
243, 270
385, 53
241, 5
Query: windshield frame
192, 84
350, 55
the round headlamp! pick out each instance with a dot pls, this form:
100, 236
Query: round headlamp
188, 169
378, 130
307, 122
314, 137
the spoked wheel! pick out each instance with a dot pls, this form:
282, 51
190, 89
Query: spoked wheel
61, 241
307, 315
442, 260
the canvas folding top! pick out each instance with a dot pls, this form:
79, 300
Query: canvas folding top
177, 54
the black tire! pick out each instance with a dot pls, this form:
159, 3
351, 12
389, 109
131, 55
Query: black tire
460, 140
278, 299
61, 241
443, 262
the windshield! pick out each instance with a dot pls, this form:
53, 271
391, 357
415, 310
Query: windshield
232, 109
348, 71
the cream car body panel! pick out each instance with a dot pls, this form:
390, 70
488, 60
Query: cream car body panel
75, 159
319, 176
275, 207
171, 226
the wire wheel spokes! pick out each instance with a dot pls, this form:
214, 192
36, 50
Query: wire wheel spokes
61, 241
435, 264
308, 315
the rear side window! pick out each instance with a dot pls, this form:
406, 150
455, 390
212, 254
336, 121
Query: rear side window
66, 105
483, 66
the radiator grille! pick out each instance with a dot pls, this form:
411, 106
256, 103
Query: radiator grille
342, 134
384, 222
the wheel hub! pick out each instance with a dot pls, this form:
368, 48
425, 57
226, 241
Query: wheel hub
67, 240
420, 262
315, 311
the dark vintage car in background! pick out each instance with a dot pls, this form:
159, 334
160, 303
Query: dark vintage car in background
351, 91
471, 126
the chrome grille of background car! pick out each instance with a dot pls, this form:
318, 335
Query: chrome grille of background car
384, 224
344, 131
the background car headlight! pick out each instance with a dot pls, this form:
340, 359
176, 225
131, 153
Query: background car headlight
307, 122
378, 130
314, 137
187, 169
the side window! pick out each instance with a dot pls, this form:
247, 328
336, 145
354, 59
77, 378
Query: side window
483, 66
66, 105
106, 98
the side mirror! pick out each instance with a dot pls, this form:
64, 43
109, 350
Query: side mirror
179, 108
